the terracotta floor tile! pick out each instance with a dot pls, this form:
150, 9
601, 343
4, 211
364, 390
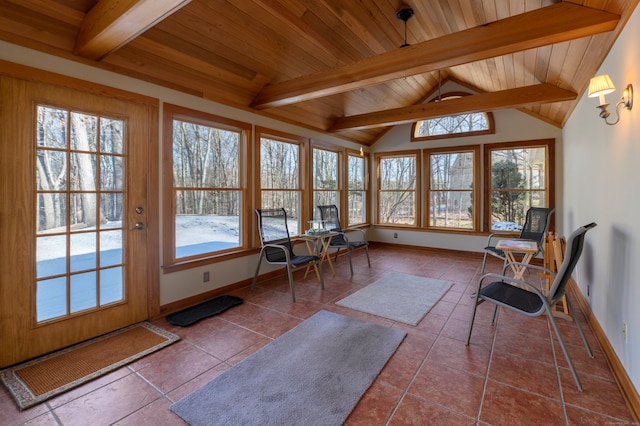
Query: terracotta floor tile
165, 375
108, 404
523, 345
228, 340
580, 417
416, 412
11, 415
455, 354
458, 391
375, 407
598, 395
482, 334
506, 405
532, 376
155, 414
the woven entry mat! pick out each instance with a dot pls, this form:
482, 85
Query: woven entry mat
35, 381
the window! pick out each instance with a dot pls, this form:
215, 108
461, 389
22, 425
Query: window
357, 190
325, 177
519, 176
452, 188
471, 124
205, 192
281, 167
398, 189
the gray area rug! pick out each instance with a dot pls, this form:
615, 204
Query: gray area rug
399, 297
314, 374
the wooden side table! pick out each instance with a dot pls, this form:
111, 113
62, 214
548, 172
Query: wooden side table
511, 247
318, 245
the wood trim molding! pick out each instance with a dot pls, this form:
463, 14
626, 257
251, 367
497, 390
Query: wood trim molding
629, 392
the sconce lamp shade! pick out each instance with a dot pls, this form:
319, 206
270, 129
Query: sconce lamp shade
600, 85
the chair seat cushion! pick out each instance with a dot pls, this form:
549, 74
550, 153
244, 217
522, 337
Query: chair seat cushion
339, 241
512, 296
494, 250
300, 260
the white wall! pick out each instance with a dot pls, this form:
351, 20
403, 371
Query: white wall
601, 176
511, 126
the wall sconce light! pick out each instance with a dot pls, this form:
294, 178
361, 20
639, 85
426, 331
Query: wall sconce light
361, 152
602, 85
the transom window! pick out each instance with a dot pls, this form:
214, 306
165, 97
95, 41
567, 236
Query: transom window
471, 124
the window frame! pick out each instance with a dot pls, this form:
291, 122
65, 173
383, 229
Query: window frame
378, 157
475, 191
550, 179
303, 170
174, 112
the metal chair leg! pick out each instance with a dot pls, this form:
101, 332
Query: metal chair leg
255, 276
290, 274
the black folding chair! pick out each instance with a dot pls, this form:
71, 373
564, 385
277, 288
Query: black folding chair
535, 228
329, 214
277, 248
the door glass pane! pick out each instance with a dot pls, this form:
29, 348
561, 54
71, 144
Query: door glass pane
111, 248
82, 252
51, 298
72, 251
83, 292
111, 285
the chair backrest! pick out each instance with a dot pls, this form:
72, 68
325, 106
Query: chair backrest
536, 224
573, 251
329, 214
272, 226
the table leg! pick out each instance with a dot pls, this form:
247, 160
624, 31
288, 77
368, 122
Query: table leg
312, 250
325, 253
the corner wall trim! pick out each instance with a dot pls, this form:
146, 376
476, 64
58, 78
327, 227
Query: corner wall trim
629, 392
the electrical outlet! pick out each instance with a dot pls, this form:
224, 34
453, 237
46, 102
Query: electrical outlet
205, 277
395, 235
624, 331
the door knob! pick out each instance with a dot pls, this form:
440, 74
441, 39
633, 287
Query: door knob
139, 225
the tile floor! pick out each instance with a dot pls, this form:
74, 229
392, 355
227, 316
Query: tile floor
506, 376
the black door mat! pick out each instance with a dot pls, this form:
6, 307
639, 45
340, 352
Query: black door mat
204, 310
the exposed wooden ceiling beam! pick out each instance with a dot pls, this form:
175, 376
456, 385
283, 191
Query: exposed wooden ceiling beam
112, 23
553, 24
484, 102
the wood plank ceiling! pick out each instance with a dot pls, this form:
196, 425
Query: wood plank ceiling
336, 65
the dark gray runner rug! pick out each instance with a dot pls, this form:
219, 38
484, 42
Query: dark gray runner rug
315, 374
